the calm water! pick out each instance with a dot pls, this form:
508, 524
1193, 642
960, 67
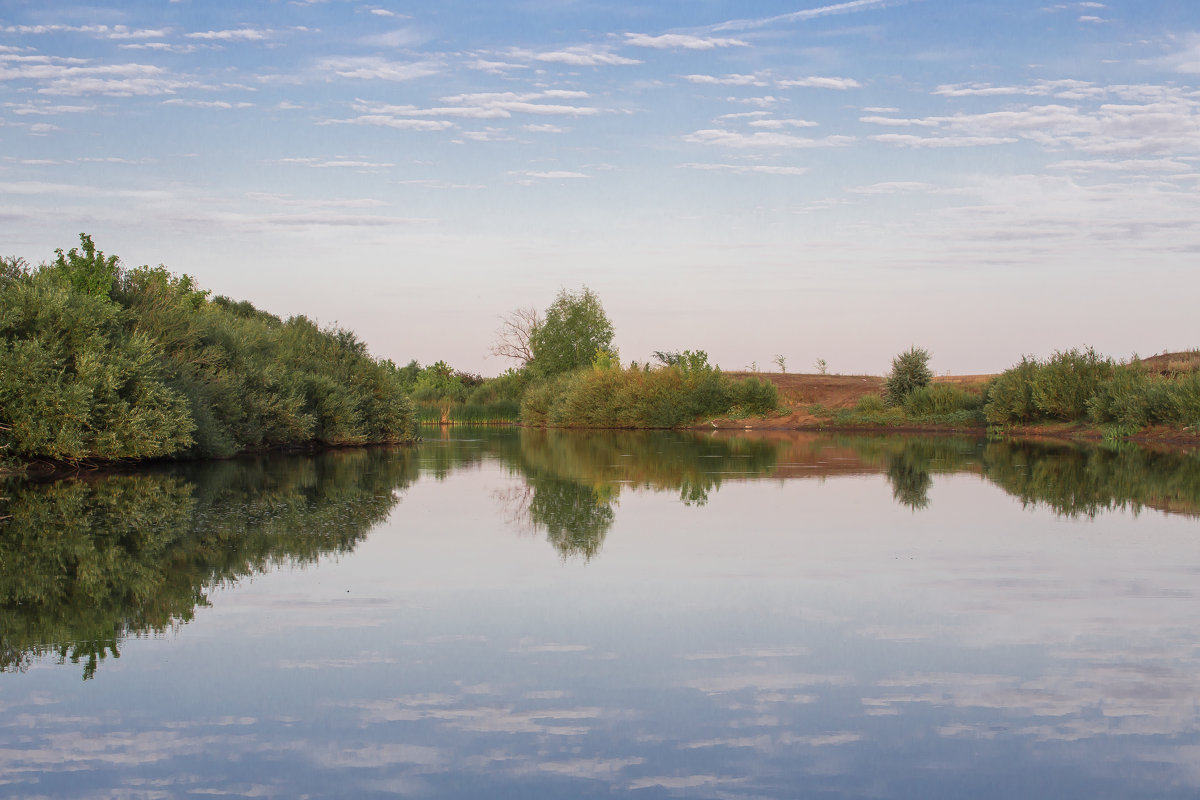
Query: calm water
532, 615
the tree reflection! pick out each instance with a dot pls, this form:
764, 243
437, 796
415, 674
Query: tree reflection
574, 479
86, 563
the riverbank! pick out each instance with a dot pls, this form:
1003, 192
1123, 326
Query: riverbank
812, 403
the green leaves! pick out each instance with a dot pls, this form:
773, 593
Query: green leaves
574, 330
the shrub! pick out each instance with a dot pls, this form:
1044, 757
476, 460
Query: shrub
1183, 397
869, 404
1009, 396
940, 399
1062, 386
755, 397
910, 371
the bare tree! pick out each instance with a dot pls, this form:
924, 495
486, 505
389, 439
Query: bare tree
514, 337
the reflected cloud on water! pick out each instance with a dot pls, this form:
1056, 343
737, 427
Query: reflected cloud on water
974, 618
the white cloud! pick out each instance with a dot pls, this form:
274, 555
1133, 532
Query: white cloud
161, 47
102, 31
1187, 60
807, 14
748, 169
73, 76
726, 80
725, 138
343, 163
761, 102
680, 41
233, 35
1147, 119
553, 175
493, 67
1041, 88
22, 109
1136, 166
402, 37
505, 103
745, 115
382, 121
841, 84
893, 187
779, 124
908, 140
924, 123
221, 104
546, 128
585, 56
377, 68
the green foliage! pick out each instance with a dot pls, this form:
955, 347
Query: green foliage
75, 383
106, 364
88, 272
1062, 385
910, 371
575, 328
1009, 396
940, 399
752, 396
1078, 384
89, 563
668, 397
869, 404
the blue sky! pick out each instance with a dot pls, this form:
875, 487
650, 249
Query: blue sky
814, 180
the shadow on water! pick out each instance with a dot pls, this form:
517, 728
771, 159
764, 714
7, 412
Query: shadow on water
86, 563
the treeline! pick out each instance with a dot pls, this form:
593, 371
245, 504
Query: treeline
570, 375
104, 362
1073, 386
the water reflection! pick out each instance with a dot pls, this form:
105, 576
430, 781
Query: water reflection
86, 563
719, 617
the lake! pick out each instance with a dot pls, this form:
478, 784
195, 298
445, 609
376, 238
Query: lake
515, 614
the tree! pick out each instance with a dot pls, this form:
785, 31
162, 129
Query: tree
514, 337
574, 330
781, 362
90, 272
910, 371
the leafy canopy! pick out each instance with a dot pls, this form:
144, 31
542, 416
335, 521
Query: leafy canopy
574, 330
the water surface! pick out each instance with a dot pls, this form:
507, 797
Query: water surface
531, 614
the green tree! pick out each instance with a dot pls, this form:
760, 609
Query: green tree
88, 272
574, 329
910, 371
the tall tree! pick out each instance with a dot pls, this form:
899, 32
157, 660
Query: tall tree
574, 330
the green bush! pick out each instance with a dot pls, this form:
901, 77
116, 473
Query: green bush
910, 371
753, 396
938, 399
668, 397
1183, 397
106, 363
1063, 385
1009, 396
868, 404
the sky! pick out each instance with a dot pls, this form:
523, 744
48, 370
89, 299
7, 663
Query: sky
813, 180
